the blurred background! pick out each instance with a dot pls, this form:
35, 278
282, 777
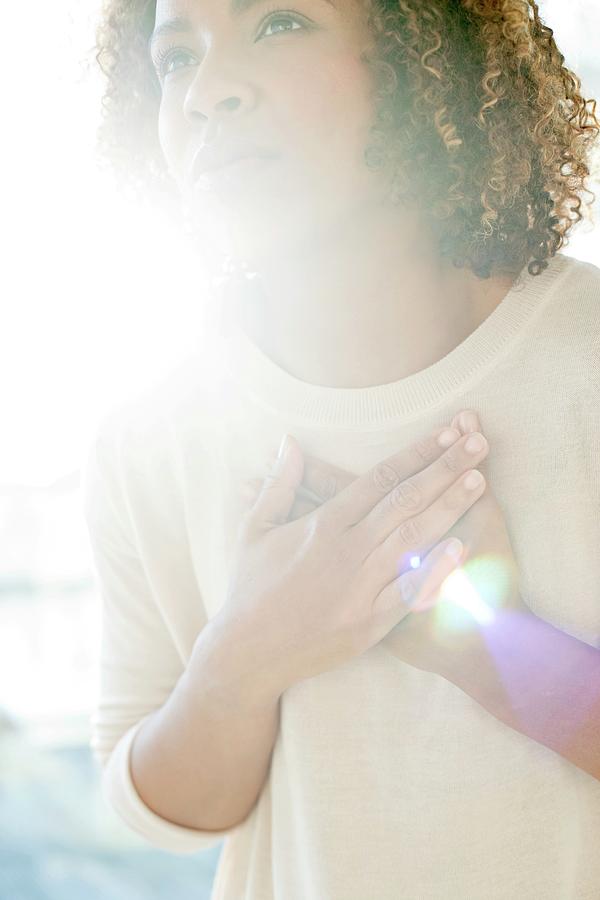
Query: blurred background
90, 322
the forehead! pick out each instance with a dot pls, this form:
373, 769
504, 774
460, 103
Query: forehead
168, 9
183, 15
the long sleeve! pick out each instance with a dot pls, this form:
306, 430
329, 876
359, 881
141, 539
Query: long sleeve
385, 780
139, 663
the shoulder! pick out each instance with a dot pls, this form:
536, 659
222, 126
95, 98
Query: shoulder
571, 318
149, 429
579, 290
569, 333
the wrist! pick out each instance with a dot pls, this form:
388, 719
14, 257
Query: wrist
230, 663
483, 670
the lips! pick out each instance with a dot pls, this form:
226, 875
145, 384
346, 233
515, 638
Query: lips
219, 155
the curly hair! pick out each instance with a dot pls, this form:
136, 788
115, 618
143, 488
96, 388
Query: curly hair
484, 127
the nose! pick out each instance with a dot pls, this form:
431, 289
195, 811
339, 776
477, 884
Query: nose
217, 91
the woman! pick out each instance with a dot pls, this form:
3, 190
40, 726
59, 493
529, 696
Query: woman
301, 669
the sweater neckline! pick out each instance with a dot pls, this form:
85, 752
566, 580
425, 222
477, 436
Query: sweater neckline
387, 405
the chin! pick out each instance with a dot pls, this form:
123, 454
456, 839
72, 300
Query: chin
258, 233
277, 217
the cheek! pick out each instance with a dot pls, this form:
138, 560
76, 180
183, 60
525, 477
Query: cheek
171, 139
327, 111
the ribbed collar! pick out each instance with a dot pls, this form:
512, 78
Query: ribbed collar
388, 405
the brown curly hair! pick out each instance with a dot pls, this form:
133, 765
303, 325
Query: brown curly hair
484, 126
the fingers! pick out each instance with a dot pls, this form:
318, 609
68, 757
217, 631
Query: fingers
320, 480
415, 537
411, 591
278, 491
466, 421
250, 489
302, 506
351, 504
411, 497
323, 479
306, 501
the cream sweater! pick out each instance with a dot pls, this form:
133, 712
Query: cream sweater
386, 782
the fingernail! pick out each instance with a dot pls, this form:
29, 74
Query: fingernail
283, 447
281, 455
448, 437
469, 422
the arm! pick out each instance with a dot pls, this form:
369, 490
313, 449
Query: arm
201, 759
539, 681
184, 749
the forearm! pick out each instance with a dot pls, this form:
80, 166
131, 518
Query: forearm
540, 681
201, 760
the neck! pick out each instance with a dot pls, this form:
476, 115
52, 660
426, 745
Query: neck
371, 306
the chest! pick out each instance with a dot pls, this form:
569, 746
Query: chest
547, 495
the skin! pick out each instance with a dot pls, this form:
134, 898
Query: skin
353, 293
418, 639
316, 224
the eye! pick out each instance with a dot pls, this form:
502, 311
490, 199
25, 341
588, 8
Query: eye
279, 23
165, 61
165, 57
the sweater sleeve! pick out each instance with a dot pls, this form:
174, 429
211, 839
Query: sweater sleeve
139, 663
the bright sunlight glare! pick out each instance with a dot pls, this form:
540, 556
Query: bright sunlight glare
100, 297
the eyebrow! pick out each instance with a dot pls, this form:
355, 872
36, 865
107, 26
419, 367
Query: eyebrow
180, 24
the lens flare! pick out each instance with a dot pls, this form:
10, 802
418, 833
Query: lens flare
472, 593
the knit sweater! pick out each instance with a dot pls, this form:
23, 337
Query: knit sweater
385, 781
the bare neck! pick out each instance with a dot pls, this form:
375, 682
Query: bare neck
370, 307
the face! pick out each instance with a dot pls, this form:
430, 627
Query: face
279, 103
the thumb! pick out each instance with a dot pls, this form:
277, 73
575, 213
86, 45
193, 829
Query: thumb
278, 492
